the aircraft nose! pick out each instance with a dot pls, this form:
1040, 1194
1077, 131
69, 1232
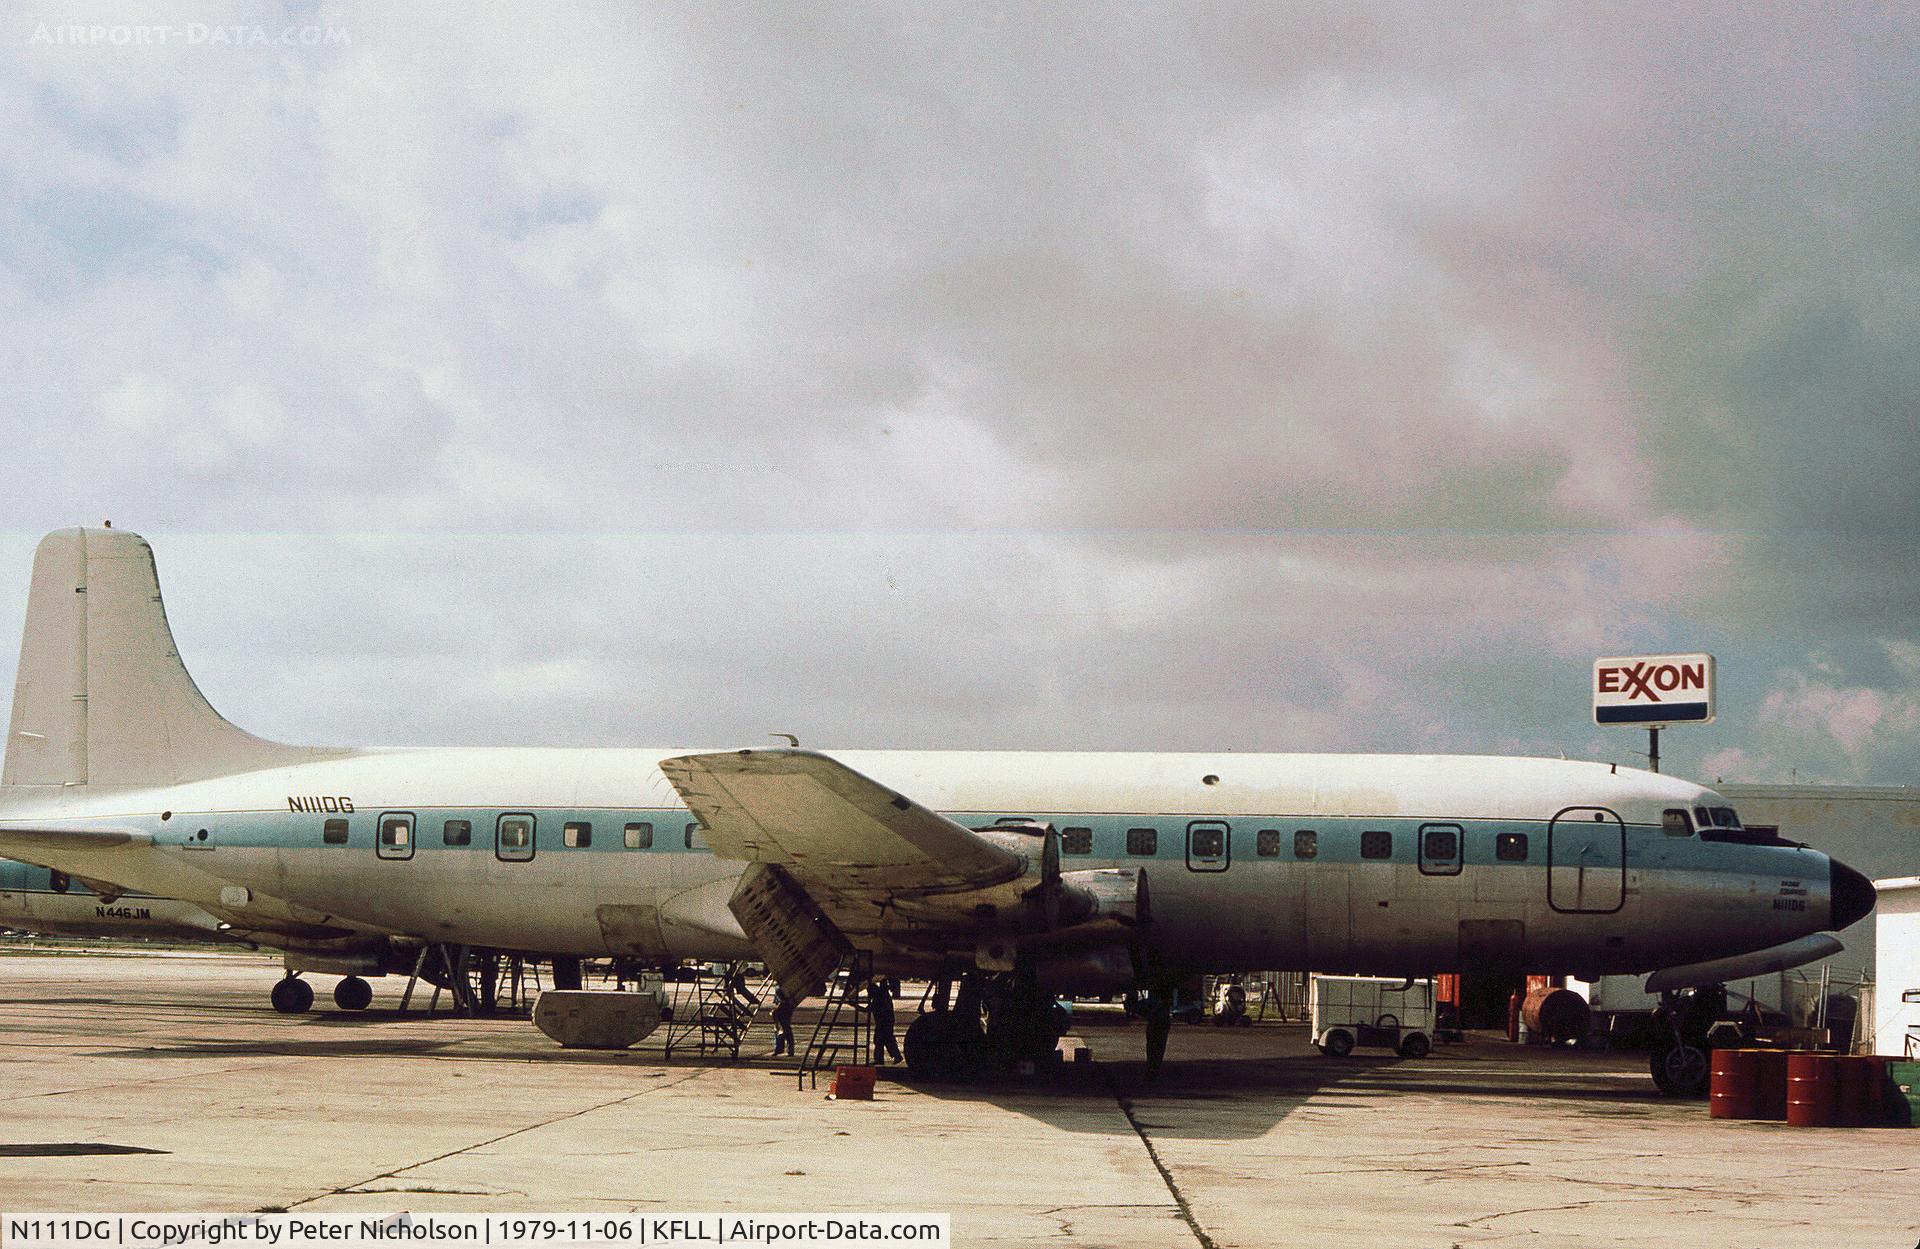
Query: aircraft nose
1850, 896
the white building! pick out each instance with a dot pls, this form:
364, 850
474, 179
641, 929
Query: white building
1897, 968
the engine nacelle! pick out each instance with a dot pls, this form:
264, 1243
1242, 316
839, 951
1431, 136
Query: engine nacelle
1104, 970
360, 956
1051, 900
1115, 894
1038, 885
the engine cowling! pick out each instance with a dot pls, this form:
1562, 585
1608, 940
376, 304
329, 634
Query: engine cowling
1103, 970
1114, 894
1052, 900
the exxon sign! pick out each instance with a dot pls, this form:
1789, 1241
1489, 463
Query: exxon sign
1653, 690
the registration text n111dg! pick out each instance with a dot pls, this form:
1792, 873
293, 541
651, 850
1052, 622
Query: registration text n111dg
1653, 690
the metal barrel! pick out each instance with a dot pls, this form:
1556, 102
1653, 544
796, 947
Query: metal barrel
1771, 1084
1858, 1100
1556, 1014
1810, 1090
1880, 1093
1734, 1090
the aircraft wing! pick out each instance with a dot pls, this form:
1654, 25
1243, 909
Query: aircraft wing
826, 823
841, 862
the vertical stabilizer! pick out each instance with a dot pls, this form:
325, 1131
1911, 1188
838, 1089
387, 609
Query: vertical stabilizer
102, 697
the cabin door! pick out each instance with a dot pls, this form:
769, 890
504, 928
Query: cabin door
1586, 861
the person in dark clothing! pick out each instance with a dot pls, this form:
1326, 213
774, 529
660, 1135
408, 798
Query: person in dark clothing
880, 1007
736, 984
783, 1007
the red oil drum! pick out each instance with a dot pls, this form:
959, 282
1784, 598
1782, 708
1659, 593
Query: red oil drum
1556, 1015
1770, 1084
1879, 1094
1734, 1090
1851, 1089
1810, 1091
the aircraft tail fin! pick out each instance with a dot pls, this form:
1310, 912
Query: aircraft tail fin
102, 697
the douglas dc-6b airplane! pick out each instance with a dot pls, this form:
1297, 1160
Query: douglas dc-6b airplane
1012, 876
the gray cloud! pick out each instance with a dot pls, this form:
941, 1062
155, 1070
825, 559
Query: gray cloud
1044, 377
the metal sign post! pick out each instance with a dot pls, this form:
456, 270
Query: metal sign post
1653, 691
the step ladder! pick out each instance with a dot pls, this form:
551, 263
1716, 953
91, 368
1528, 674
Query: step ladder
724, 1009
478, 981
843, 1034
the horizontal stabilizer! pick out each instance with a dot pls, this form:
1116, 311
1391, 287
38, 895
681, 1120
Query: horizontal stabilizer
24, 843
1759, 963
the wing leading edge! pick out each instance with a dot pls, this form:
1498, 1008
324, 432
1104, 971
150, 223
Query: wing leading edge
842, 862
818, 818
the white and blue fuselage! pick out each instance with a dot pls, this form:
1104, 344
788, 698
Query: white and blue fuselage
1390, 864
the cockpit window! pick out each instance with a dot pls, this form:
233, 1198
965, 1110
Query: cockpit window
1673, 822
1725, 818
1702, 818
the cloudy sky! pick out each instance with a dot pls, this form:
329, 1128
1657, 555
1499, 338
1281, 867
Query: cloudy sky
1255, 377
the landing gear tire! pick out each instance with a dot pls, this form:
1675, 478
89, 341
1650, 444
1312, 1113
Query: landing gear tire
1339, 1043
353, 993
1415, 1046
945, 1045
293, 996
1681, 1071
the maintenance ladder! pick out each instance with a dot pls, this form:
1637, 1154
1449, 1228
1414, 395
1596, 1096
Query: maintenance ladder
478, 981
843, 1034
724, 1009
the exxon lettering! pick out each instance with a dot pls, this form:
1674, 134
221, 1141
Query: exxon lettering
1649, 681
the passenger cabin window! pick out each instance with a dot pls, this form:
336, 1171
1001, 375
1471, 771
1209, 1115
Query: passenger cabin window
395, 839
334, 832
513, 838
696, 836
1376, 844
1143, 840
638, 837
1266, 843
457, 833
1673, 822
1510, 847
1207, 843
1076, 841
576, 835
1306, 843
1442, 844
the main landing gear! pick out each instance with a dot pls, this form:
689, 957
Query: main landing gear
353, 993
294, 996
992, 1024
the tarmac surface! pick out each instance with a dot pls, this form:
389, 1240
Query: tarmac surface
165, 1082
